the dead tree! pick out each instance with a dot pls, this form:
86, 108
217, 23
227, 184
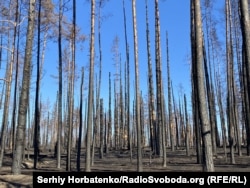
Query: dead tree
91, 86
200, 101
24, 96
245, 25
137, 90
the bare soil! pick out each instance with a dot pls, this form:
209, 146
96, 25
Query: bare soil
123, 160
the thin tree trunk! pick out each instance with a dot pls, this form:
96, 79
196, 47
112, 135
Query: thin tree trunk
37, 109
187, 134
100, 5
175, 125
101, 128
127, 81
169, 100
210, 102
230, 83
109, 141
79, 145
222, 117
121, 110
152, 121
71, 90
137, 90
59, 126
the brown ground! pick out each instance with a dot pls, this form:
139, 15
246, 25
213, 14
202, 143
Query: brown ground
120, 161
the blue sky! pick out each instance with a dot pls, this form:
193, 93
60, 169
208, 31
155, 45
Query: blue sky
174, 18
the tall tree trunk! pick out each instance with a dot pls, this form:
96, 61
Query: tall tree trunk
197, 128
37, 109
170, 123
96, 139
137, 90
71, 90
100, 5
159, 93
208, 164
115, 49
59, 126
209, 76
127, 98
152, 121
116, 123
24, 97
230, 83
14, 110
245, 25
91, 86
239, 109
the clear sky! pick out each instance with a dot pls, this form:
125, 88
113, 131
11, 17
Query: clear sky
174, 19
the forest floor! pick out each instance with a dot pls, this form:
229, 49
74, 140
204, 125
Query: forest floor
121, 161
